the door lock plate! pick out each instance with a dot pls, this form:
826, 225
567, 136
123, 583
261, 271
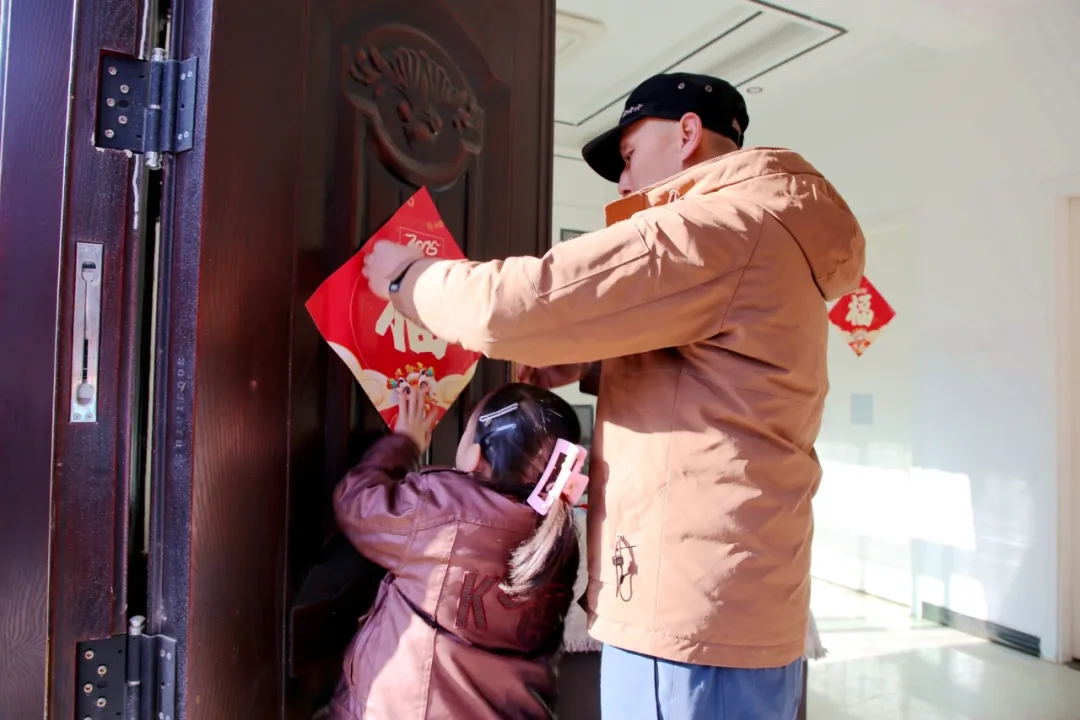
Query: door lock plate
86, 332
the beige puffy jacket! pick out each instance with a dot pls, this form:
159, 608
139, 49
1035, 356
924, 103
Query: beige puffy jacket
705, 300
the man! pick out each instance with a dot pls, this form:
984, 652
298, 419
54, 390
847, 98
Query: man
705, 299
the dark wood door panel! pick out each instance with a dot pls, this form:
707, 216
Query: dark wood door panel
398, 98
217, 562
319, 120
31, 195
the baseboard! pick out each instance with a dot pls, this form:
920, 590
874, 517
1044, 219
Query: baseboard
1019, 641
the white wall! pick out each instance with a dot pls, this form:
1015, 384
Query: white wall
953, 161
951, 496
865, 509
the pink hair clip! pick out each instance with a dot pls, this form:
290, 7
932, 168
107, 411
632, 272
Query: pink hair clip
569, 482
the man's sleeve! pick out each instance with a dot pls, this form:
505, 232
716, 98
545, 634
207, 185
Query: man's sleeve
662, 278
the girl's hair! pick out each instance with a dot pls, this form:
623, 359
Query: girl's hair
516, 428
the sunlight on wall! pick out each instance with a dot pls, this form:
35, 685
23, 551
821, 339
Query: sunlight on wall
896, 534
944, 515
887, 522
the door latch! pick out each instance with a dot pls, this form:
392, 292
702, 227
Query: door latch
86, 332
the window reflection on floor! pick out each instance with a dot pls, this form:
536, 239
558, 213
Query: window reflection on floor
884, 664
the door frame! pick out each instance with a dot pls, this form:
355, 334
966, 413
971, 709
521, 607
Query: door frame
1067, 276
97, 463
1071, 500
73, 477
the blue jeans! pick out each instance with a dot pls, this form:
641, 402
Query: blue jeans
636, 687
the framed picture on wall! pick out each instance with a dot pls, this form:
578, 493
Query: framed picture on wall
565, 234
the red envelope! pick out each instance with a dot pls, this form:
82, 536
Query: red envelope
387, 353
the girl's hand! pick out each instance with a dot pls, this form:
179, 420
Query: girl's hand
413, 420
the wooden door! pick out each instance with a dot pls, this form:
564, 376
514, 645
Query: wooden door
68, 469
315, 120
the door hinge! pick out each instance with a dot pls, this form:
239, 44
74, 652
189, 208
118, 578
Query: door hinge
131, 677
146, 106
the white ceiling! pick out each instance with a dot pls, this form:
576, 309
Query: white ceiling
605, 47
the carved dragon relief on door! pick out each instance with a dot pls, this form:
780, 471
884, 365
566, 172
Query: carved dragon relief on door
426, 117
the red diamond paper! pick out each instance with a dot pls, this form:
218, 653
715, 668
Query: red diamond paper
861, 315
387, 353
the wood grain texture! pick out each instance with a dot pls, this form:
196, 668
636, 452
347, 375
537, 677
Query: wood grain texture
361, 163
257, 421
35, 101
92, 474
218, 515
76, 591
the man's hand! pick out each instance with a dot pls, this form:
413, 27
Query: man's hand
554, 376
385, 262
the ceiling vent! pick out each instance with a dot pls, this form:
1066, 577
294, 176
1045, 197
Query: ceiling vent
599, 61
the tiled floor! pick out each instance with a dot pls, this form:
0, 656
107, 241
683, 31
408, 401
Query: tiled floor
885, 665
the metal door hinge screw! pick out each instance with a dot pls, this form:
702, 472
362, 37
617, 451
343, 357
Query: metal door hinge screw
146, 105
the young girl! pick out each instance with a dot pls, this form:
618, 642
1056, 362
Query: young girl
468, 620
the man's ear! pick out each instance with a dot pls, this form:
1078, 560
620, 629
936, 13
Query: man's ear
692, 134
472, 458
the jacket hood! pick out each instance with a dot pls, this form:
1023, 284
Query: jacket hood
788, 188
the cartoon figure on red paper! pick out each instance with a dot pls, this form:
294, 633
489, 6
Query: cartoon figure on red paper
414, 379
386, 352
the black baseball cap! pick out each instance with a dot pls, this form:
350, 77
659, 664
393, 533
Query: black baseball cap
720, 106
